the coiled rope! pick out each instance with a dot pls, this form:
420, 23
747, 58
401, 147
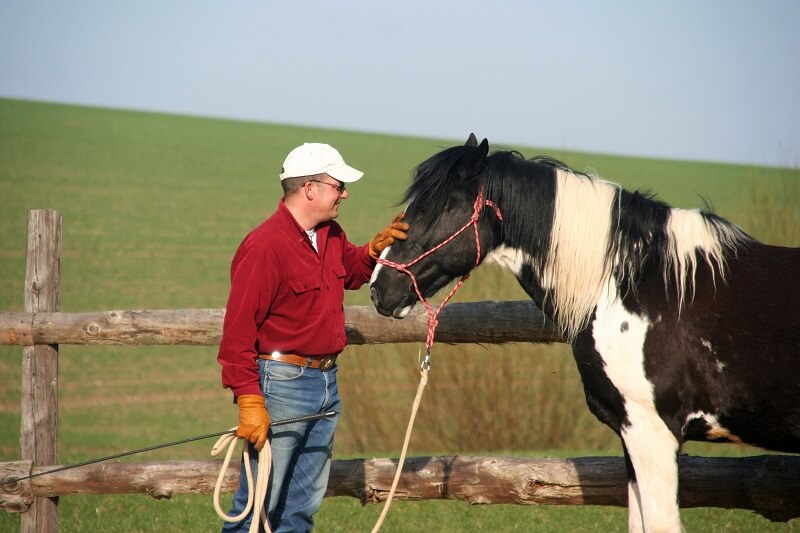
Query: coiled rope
262, 480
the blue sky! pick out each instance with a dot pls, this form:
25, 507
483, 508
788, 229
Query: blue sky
702, 80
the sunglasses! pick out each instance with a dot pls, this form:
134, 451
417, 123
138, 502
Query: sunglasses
339, 188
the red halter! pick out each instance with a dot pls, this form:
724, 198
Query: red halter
480, 202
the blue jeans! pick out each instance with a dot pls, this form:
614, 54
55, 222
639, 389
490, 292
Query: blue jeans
301, 452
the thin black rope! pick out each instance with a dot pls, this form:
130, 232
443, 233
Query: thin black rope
306, 418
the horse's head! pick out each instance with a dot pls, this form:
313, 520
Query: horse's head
440, 202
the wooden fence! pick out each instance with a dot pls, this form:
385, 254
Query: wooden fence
768, 484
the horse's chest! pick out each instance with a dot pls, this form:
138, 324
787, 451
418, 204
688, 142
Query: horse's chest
611, 362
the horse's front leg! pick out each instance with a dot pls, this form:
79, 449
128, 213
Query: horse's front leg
635, 524
652, 453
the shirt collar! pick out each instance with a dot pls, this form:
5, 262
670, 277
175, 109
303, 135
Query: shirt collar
286, 215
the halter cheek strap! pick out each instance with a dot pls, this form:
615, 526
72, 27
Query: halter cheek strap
480, 203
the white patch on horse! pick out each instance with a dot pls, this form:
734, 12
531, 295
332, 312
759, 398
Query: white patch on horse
690, 233
651, 446
635, 524
622, 349
403, 312
715, 431
720, 366
510, 258
578, 265
379, 266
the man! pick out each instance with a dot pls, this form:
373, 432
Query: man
284, 328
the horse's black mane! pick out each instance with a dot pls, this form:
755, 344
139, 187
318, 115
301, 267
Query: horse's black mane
432, 179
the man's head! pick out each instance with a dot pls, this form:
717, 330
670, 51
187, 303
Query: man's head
313, 178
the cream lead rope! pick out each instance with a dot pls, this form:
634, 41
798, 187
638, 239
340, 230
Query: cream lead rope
254, 501
422, 382
433, 315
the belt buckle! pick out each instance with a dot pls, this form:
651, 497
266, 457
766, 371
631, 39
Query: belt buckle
326, 363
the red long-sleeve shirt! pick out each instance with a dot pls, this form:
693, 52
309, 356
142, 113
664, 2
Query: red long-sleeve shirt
287, 297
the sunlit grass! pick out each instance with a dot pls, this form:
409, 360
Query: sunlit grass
154, 207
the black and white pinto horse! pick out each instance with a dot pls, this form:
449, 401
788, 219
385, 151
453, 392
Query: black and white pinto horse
683, 327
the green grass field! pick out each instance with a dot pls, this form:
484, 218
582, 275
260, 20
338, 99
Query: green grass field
154, 207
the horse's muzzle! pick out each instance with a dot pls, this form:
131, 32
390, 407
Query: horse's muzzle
397, 312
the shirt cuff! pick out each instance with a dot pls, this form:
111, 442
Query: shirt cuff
250, 388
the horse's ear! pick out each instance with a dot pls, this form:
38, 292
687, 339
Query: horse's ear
471, 163
472, 140
484, 148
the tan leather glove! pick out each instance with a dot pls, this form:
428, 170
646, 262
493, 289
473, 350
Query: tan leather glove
253, 419
394, 231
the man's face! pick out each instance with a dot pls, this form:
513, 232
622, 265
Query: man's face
330, 193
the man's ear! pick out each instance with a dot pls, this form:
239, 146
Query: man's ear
308, 190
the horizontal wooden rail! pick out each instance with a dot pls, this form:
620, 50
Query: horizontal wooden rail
767, 484
487, 322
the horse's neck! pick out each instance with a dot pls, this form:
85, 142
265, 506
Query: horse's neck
520, 264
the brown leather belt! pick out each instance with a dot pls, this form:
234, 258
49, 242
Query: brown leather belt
323, 363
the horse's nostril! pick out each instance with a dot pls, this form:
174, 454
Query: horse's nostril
376, 299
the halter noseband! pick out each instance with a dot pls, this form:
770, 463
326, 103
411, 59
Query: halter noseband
478, 206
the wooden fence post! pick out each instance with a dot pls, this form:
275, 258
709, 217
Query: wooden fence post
39, 409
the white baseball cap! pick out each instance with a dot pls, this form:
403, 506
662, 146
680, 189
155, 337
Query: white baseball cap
318, 158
